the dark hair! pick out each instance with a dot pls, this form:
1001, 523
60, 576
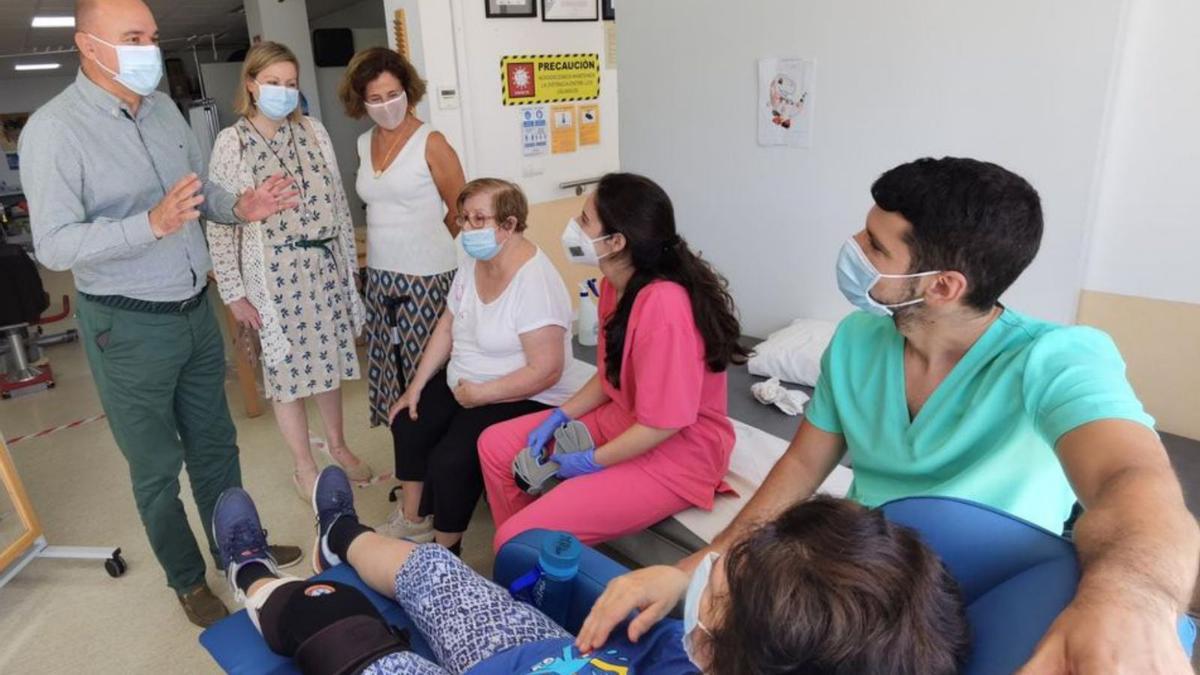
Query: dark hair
967, 216
370, 64
637, 208
832, 588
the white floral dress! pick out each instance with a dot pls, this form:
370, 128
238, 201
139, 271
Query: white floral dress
297, 267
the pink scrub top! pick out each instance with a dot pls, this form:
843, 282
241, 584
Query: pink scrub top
666, 384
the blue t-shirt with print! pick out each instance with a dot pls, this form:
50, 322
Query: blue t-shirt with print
659, 652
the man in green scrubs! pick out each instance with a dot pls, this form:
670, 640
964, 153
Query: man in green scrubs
936, 388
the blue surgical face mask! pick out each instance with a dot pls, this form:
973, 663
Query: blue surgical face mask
277, 102
481, 244
691, 606
140, 66
857, 276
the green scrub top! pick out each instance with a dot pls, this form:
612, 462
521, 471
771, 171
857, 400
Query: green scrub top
988, 432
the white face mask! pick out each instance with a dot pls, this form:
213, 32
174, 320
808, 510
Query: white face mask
140, 66
578, 247
389, 114
691, 606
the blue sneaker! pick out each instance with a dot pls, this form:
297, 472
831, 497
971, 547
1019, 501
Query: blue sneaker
333, 497
240, 536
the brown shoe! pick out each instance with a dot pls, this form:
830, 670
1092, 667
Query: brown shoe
285, 556
202, 607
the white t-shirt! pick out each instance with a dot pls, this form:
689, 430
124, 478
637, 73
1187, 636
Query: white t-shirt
487, 337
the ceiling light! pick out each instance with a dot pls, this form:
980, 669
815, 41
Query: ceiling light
53, 22
37, 66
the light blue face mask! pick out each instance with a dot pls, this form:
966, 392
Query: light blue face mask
691, 606
857, 276
277, 102
481, 244
140, 66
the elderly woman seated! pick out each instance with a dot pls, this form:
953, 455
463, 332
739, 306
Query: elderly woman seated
498, 352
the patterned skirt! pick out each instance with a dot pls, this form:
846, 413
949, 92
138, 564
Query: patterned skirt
416, 302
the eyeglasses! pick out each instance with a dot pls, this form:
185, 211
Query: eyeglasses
478, 220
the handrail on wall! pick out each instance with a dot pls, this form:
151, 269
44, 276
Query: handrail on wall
579, 184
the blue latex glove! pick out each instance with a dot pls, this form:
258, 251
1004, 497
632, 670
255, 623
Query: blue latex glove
539, 437
574, 464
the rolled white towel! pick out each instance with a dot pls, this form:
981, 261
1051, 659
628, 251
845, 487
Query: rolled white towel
790, 401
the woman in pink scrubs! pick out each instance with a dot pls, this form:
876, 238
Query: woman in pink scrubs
656, 408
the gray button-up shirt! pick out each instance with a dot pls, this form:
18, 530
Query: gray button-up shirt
92, 170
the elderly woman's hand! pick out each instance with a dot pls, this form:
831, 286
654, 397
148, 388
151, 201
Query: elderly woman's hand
407, 402
469, 394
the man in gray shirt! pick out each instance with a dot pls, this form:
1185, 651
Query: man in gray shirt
111, 172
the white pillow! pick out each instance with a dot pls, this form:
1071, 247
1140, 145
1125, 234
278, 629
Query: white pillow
793, 354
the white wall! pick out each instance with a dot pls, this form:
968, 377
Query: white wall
431, 41
1147, 234
485, 132
288, 24
1021, 83
25, 95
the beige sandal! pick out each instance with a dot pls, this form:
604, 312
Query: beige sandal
359, 473
305, 495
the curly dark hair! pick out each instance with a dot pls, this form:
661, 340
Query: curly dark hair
370, 64
637, 208
833, 588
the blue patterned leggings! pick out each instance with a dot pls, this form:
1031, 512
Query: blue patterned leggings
464, 617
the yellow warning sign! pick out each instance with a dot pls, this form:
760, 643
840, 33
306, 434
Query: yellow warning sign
562, 129
589, 124
550, 78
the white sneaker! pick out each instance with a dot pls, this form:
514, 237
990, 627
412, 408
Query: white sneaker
399, 527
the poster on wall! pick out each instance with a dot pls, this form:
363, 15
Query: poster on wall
785, 101
589, 124
562, 129
535, 133
550, 78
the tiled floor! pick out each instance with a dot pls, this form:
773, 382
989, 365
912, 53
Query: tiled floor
61, 616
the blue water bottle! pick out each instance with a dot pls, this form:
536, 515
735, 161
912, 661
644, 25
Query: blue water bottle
549, 586
558, 564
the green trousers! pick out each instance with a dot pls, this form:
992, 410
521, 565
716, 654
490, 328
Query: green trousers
161, 379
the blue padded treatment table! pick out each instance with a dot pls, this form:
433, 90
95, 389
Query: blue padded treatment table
1015, 577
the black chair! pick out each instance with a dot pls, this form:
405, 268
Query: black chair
23, 299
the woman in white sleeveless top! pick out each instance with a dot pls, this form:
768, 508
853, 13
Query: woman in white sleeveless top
409, 177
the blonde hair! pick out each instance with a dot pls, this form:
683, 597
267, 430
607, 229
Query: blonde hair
260, 57
507, 200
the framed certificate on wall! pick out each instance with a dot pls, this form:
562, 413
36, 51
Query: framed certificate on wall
570, 10
510, 9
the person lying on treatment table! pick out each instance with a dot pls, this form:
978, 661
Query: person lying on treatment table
936, 388
828, 587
